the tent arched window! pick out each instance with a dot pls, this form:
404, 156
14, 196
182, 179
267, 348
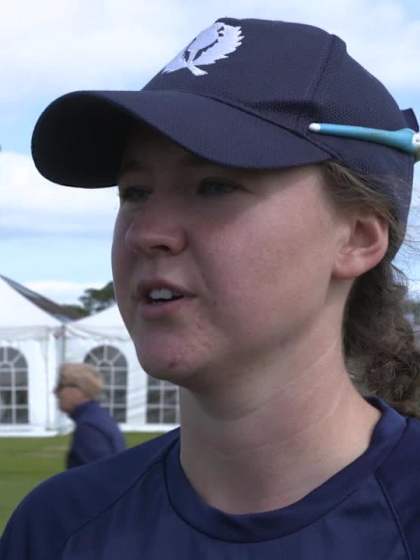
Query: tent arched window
13, 387
112, 365
162, 402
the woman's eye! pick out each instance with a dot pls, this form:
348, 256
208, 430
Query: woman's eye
214, 187
133, 194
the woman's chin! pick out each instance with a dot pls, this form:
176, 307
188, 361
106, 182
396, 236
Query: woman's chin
167, 366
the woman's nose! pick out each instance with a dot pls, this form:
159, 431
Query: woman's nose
160, 231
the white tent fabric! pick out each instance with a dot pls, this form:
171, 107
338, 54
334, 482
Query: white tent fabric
104, 335
107, 323
34, 343
19, 313
28, 365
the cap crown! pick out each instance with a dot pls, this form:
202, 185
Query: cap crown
291, 75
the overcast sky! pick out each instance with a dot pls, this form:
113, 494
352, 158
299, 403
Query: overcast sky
56, 239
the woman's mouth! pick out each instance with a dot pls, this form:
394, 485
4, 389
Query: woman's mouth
158, 296
160, 299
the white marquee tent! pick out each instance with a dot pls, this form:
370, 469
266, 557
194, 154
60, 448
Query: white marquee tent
136, 400
33, 343
28, 362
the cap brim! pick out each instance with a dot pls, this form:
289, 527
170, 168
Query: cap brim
80, 138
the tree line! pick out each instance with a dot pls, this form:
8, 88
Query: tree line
92, 301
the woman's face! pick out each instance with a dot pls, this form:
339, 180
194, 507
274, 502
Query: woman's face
245, 258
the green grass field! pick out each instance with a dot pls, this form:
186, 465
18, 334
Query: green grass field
24, 462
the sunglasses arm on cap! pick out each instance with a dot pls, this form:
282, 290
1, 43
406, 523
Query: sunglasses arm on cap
405, 139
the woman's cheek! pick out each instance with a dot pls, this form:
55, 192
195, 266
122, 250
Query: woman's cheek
119, 254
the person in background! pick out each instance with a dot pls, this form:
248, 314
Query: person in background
96, 434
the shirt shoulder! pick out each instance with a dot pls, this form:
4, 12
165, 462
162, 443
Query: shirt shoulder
399, 477
54, 510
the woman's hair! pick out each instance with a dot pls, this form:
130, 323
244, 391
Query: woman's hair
378, 339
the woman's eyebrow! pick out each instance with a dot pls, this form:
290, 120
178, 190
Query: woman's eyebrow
187, 159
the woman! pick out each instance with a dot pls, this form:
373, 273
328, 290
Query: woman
252, 267
96, 434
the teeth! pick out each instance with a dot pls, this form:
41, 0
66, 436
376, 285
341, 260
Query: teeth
162, 293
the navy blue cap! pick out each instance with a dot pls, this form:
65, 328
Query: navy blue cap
243, 93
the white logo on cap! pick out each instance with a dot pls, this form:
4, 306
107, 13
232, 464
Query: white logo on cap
214, 43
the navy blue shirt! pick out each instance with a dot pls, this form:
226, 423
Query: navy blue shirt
140, 505
95, 437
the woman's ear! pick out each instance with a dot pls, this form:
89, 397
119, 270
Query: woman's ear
361, 247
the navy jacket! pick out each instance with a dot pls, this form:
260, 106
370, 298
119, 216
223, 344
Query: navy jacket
95, 437
139, 505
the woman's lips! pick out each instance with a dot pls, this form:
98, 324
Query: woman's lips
160, 309
153, 309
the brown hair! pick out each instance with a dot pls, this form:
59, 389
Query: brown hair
378, 340
84, 376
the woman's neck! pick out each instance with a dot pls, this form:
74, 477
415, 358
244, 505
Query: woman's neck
250, 449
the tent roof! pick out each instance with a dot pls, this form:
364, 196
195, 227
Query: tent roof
109, 317
60, 312
18, 310
106, 324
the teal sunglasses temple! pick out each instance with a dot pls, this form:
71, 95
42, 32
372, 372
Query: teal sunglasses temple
405, 139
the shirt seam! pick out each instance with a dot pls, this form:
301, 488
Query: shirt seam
395, 515
110, 504
336, 505
274, 538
